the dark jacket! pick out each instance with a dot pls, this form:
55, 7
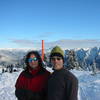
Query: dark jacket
32, 85
62, 85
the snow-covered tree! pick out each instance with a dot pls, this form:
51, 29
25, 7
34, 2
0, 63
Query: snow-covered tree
71, 60
94, 67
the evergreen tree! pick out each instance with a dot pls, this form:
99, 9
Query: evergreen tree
71, 61
94, 67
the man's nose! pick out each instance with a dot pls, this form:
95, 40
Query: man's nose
55, 60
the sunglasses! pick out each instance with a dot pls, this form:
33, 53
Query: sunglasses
32, 59
56, 58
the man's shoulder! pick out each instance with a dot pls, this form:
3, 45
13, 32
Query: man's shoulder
69, 74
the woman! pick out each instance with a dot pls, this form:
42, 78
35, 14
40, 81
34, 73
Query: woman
32, 82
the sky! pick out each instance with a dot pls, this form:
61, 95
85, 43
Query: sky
25, 22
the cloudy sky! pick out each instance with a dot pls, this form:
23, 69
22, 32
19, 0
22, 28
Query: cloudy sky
24, 23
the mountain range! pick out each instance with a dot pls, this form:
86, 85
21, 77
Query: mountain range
85, 56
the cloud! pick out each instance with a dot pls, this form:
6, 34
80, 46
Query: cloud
77, 43
64, 43
25, 43
71, 44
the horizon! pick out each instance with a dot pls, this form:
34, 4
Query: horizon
64, 44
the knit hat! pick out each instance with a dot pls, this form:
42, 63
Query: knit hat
57, 51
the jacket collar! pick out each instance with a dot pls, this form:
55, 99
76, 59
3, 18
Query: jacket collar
34, 71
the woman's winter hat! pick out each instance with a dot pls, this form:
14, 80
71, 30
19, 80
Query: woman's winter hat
57, 51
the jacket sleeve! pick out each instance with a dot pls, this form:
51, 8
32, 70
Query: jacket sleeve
73, 89
20, 94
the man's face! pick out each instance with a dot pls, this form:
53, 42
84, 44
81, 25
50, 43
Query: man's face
57, 62
33, 61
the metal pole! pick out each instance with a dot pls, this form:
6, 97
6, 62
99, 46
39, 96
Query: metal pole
42, 50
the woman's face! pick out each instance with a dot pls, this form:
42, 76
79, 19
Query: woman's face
33, 61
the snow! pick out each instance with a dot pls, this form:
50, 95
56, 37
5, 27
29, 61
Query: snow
89, 85
7, 85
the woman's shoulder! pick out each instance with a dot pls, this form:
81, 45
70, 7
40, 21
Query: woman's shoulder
21, 74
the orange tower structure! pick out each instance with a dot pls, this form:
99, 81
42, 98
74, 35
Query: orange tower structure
42, 50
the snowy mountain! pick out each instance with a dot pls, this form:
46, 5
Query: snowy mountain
11, 56
89, 56
85, 57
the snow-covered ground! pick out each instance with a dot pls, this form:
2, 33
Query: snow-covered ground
89, 85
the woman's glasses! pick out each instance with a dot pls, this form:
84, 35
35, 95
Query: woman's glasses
56, 58
32, 59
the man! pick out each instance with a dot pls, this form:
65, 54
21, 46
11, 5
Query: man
32, 82
62, 85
